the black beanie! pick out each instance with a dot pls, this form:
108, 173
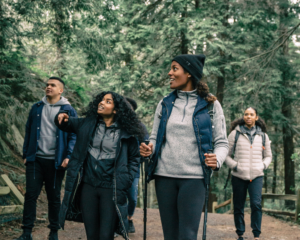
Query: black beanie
193, 64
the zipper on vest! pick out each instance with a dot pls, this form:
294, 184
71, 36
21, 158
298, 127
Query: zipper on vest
187, 102
200, 145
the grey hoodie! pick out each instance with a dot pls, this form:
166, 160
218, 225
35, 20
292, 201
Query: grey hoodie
47, 140
179, 154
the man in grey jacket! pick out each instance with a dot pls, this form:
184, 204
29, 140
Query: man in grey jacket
46, 154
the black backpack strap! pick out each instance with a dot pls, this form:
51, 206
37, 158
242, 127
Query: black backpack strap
263, 136
228, 177
237, 135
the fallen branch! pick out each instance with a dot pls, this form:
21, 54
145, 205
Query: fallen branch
12, 166
274, 48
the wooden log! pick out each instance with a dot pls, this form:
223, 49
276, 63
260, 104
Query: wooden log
222, 204
278, 212
214, 204
21, 190
297, 213
280, 196
4, 191
15, 192
21, 170
11, 209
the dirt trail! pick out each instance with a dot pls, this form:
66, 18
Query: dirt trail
220, 226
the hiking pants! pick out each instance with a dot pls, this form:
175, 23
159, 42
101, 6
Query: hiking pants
180, 203
239, 188
98, 212
37, 173
132, 196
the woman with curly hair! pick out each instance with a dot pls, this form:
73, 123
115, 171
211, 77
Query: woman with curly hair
103, 165
187, 123
249, 155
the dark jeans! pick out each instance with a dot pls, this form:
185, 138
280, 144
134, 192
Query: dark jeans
37, 173
132, 196
239, 188
180, 203
98, 212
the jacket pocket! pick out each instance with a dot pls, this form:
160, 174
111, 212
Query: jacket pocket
258, 170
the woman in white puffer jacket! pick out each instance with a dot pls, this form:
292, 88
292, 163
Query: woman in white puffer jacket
252, 155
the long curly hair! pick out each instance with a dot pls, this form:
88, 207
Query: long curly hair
261, 123
203, 90
125, 116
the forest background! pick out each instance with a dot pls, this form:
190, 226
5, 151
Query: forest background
252, 49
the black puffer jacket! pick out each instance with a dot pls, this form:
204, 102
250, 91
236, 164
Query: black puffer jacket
126, 166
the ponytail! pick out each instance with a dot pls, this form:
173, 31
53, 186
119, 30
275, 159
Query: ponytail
203, 90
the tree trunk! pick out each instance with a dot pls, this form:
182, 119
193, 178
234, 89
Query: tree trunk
276, 146
184, 40
221, 86
287, 131
59, 36
197, 3
224, 36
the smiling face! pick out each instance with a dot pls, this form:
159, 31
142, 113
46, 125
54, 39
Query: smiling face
250, 117
54, 88
179, 79
106, 108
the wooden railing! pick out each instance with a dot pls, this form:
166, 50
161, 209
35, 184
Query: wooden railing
290, 197
8, 188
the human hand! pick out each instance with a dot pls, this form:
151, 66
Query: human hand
211, 160
63, 117
65, 162
146, 150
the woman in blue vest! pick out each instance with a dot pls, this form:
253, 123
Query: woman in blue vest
187, 124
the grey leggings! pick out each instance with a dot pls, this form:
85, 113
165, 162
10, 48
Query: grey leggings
180, 204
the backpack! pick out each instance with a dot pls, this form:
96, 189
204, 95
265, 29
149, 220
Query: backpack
238, 133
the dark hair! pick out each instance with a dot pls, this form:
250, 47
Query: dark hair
132, 103
203, 90
125, 116
261, 123
58, 79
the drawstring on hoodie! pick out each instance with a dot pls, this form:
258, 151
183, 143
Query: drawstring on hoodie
187, 102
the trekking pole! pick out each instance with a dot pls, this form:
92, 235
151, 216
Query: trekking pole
206, 201
145, 193
228, 178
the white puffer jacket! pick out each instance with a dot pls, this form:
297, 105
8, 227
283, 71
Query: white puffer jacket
249, 160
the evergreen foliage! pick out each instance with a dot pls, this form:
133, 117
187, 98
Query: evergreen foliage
252, 54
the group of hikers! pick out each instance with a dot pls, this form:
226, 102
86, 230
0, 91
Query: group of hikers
102, 152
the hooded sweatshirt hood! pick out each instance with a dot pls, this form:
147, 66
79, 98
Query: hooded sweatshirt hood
47, 140
62, 101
